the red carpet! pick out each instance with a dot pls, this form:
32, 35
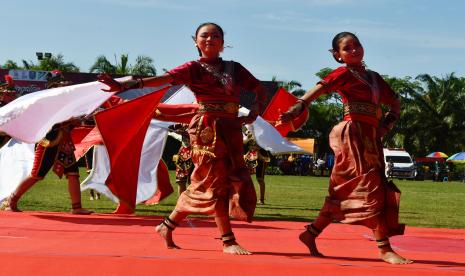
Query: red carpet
39, 243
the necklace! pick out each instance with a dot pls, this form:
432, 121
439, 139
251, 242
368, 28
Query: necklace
370, 81
224, 77
365, 79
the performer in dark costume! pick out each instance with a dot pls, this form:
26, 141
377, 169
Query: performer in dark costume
183, 159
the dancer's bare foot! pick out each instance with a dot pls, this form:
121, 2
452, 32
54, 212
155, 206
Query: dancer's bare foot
167, 235
389, 256
10, 205
81, 211
309, 240
123, 209
236, 249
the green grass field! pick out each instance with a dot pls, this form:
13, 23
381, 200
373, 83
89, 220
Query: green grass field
296, 198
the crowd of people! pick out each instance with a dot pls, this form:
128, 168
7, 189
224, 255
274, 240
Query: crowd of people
218, 181
305, 164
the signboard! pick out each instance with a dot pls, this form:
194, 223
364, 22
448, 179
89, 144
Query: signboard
27, 81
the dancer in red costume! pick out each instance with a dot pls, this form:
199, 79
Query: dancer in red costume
359, 192
220, 183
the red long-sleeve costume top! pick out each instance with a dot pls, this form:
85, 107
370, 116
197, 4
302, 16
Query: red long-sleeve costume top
354, 89
208, 87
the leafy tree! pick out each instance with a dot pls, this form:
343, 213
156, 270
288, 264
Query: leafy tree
143, 66
9, 64
57, 63
292, 86
122, 67
29, 65
103, 65
49, 64
324, 72
433, 114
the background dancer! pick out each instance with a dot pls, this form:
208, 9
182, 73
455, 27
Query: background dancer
183, 159
359, 192
257, 159
55, 150
220, 181
7, 91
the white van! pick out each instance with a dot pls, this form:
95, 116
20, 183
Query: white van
399, 164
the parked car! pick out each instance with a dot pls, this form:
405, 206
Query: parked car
399, 164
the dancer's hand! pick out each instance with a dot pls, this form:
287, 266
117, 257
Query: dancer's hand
387, 124
113, 85
293, 112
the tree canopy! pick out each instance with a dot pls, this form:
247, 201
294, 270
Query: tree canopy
143, 66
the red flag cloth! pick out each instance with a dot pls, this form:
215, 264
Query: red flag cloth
164, 187
123, 129
79, 133
279, 104
92, 137
112, 101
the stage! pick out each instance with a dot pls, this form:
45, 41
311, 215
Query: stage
42, 243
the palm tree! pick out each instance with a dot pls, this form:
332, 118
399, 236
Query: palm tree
143, 66
29, 65
52, 63
433, 114
292, 86
9, 64
102, 65
122, 67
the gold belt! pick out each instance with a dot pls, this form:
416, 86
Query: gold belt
362, 108
226, 107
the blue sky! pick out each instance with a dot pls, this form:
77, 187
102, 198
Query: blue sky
288, 39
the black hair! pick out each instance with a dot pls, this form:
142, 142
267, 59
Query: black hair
338, 38
206, 24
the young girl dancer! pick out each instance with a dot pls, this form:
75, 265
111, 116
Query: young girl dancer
358, 189
220, 183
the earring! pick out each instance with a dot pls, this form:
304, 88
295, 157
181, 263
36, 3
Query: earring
339, 59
